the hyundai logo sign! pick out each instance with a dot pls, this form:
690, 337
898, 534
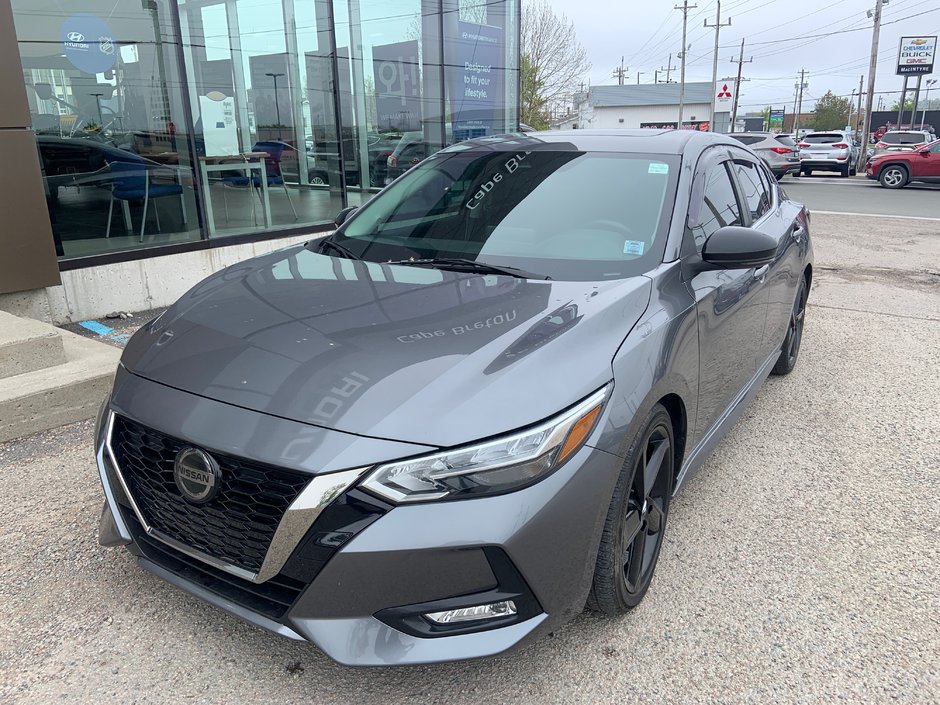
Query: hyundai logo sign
76, 37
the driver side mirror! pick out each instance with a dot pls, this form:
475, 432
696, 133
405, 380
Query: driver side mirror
343, 215
736, 247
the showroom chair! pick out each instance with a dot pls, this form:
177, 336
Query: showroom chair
272, 168
131, 182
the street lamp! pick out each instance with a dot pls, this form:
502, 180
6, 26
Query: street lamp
277, 103
923, 117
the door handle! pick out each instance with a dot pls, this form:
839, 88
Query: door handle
761, 272
798, 231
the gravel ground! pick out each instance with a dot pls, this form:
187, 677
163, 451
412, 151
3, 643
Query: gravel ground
801, 565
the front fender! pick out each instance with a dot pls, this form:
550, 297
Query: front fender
660, 357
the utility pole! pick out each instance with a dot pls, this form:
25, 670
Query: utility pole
685, 7
667, 68
718, 25
620, 73
799, 103
638, 76
858, 113
872, 67
737, 84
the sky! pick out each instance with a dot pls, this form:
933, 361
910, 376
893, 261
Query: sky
779, 34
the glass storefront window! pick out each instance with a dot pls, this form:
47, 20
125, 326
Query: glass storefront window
161, 122
104, 95
251, 65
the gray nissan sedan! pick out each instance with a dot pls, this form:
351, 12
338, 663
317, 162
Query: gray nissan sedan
443, 430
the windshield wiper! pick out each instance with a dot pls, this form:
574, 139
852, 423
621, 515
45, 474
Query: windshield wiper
343, 250
469, 265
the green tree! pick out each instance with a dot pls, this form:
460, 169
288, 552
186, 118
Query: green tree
832, 112
908, 105
533, 109
553, 62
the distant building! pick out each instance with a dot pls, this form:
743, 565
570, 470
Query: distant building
643, 105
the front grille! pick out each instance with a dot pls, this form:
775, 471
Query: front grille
271, 598
236, 527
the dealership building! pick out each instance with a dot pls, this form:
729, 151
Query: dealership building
653, 105
150, 142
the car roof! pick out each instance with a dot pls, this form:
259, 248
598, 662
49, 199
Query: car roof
627, 141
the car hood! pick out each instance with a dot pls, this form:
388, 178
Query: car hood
387, 351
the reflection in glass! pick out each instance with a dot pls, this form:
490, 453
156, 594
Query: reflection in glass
103, 99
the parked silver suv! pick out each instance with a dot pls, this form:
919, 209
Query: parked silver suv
779, 152
828, 151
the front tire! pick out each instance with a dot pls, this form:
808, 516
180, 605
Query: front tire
893, 176
790, 350
636, 519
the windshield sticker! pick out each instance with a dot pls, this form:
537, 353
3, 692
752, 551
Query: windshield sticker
658, 168
634, 247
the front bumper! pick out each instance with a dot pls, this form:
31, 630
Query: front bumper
362, 561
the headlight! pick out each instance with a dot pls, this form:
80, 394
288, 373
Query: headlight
492, 467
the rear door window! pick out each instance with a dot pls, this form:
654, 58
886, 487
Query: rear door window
753, 189
719, 207
786, 140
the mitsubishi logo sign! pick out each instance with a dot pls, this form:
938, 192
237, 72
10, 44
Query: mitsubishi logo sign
724, 95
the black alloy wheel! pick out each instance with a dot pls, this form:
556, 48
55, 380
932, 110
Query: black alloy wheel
636, 519
790, 350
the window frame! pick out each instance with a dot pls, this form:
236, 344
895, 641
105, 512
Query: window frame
744, 159
718, 157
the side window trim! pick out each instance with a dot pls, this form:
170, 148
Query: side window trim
760, 169
743, 206
716, 157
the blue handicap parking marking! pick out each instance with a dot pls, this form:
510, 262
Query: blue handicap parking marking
106, 332
96, 327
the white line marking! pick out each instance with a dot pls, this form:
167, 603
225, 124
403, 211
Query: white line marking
874, 215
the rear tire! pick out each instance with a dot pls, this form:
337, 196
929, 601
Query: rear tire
636, 519
807, 172
790, 350
893, 176
845, 171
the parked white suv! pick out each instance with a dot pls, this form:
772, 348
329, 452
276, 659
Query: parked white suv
828, 151
903, 141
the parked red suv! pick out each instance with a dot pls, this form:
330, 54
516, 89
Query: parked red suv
898, 169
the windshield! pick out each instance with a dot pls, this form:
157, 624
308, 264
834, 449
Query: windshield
564, 214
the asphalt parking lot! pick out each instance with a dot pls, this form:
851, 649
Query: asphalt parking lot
801, 565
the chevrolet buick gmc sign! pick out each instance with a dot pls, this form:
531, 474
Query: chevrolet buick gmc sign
916, 55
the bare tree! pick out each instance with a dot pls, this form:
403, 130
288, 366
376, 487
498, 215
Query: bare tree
553, 62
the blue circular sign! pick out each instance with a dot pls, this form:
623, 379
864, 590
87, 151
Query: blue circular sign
88, 43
